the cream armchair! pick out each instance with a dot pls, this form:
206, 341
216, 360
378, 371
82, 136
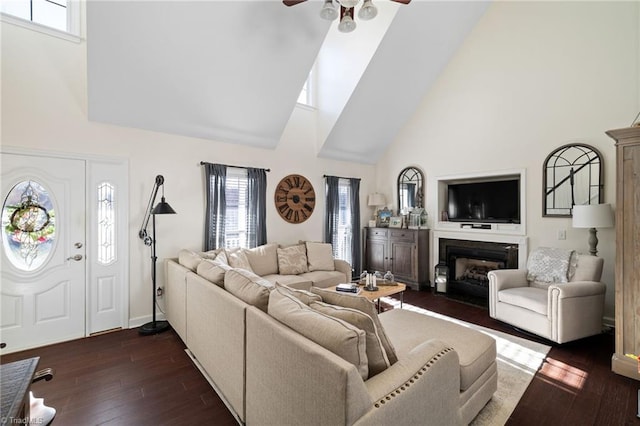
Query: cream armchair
560, 312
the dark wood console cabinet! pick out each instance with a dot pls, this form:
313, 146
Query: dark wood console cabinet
404, 252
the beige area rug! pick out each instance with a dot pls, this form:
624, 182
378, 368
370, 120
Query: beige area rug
518, 361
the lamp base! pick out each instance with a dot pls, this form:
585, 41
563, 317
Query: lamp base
153, 327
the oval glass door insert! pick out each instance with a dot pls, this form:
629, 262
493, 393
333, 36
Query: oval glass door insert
28, 222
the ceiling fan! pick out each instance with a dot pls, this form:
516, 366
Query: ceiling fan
347, 24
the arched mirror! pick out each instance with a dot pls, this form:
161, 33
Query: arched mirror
572, 175
410, 189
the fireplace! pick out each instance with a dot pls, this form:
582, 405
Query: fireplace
469, 262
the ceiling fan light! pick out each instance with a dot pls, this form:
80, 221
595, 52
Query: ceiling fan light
348, 3
328, 11
367, 11
347, 24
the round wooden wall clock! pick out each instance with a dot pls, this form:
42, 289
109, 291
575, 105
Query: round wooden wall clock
295, 198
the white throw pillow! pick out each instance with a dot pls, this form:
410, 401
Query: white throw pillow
320, 256
292, 260
238, 259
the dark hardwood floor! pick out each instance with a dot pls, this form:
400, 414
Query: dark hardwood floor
122, 378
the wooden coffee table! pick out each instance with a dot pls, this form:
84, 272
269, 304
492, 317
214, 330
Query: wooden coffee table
383, 291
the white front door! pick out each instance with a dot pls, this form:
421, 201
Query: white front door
42, 292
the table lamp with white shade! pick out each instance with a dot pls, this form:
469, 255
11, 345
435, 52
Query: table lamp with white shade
593, 216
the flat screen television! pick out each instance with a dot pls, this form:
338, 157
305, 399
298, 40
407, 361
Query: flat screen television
495, 201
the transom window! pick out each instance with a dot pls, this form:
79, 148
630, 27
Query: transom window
61, 16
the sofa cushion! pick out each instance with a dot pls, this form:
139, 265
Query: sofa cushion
549, 264
293, 281
409, 329
189, 259
376, 355
531, 298
320, 256
304, 296
364, 305
292, 260
263, 259
335, 335
213, 271
324, 279
237, 258
248, 287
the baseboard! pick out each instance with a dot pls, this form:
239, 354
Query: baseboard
609, 322
138, 321
213, 385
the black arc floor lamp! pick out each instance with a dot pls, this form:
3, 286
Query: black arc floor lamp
162, 207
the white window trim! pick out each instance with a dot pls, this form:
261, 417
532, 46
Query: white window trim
73, 24
311, 91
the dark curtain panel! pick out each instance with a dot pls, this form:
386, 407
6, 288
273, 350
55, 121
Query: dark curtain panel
216, 176
256, 207
333, 209
356, 249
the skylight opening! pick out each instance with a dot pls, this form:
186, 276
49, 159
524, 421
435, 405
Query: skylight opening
306, 96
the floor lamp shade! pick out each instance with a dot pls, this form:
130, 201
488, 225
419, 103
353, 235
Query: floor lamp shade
162, 207
593, 216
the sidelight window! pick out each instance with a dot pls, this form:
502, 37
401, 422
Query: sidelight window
106, 224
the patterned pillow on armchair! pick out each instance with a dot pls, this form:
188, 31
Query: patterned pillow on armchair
549, 265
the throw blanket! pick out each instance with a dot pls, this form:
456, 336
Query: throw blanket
549, 265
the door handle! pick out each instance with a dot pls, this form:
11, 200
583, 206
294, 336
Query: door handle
77, 257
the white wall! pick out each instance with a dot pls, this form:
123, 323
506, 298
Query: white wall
44, 100
531, 77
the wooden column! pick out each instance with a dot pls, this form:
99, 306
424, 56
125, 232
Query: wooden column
627, 268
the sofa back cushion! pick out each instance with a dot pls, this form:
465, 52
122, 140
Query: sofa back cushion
292, 260
320, 256
364, 305
376, 355
248, 287
213, 271
588, 268
263, 259
304, 296
335, 335
189, 259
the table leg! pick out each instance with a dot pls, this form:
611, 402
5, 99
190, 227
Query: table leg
401, 298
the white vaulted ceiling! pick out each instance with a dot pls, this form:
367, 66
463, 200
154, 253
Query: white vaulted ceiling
232, 70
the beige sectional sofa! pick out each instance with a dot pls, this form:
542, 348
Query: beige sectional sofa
283, 356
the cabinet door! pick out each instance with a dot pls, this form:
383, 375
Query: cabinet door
403, 261
376, 255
